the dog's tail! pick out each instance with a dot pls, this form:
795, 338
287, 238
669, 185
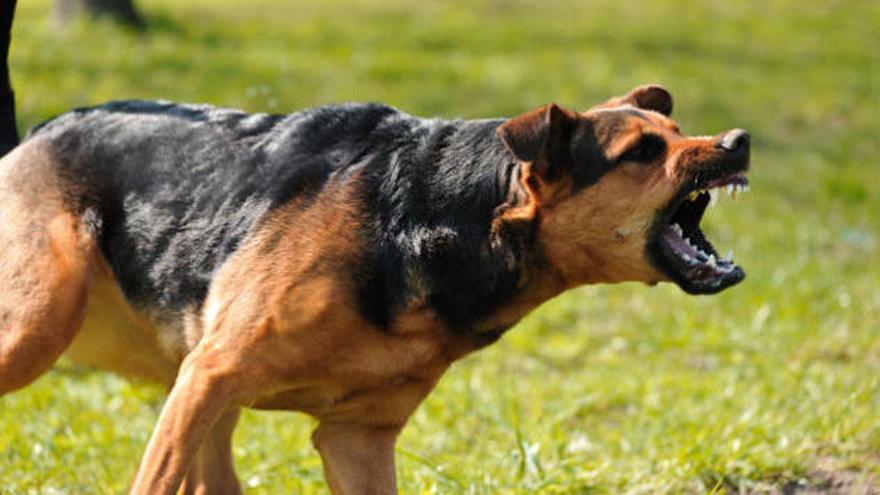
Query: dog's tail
8, 130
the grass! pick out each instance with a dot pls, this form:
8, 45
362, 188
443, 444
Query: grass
615, 389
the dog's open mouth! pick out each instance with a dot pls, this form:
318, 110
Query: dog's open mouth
682, 250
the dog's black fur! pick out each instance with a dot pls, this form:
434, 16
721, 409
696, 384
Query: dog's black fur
8, 128
174, 189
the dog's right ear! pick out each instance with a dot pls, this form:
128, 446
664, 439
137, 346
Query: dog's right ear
541, 137
647, 97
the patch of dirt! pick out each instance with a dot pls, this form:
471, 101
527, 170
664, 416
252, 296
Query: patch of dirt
833, 482
829, 476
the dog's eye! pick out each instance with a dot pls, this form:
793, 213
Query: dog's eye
647, 150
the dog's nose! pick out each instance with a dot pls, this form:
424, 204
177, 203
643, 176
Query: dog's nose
734, 140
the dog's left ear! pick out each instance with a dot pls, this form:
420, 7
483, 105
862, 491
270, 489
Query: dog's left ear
541, 137
648, 97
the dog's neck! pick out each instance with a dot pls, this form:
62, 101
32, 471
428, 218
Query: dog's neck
454, 250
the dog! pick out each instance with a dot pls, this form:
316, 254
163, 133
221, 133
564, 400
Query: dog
333, 261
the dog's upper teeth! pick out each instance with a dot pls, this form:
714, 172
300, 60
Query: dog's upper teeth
677, 229
729, 256
713, 197
712, 261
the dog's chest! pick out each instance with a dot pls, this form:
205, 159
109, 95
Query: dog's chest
370, 372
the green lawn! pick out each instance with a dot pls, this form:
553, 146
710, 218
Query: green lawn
616, 389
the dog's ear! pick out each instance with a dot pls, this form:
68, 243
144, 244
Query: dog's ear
648, 97
541, 137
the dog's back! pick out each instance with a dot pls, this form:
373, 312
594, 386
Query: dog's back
174, 189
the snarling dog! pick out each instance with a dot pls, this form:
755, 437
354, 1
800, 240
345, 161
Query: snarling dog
334, 261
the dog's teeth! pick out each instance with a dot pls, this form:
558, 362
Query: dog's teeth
745, 188
713, 197
729, 189
692, 261
677, 229
712, 261
729, 256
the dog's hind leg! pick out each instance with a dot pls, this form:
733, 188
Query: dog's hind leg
46, 260
212, 471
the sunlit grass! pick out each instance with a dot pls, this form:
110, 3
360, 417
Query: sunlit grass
619, 389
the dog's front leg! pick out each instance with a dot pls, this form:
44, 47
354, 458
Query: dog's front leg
358, 459
212, 471
202, 393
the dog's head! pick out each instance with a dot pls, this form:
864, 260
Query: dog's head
618, 192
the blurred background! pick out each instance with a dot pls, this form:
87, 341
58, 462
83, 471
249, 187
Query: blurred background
770, 387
